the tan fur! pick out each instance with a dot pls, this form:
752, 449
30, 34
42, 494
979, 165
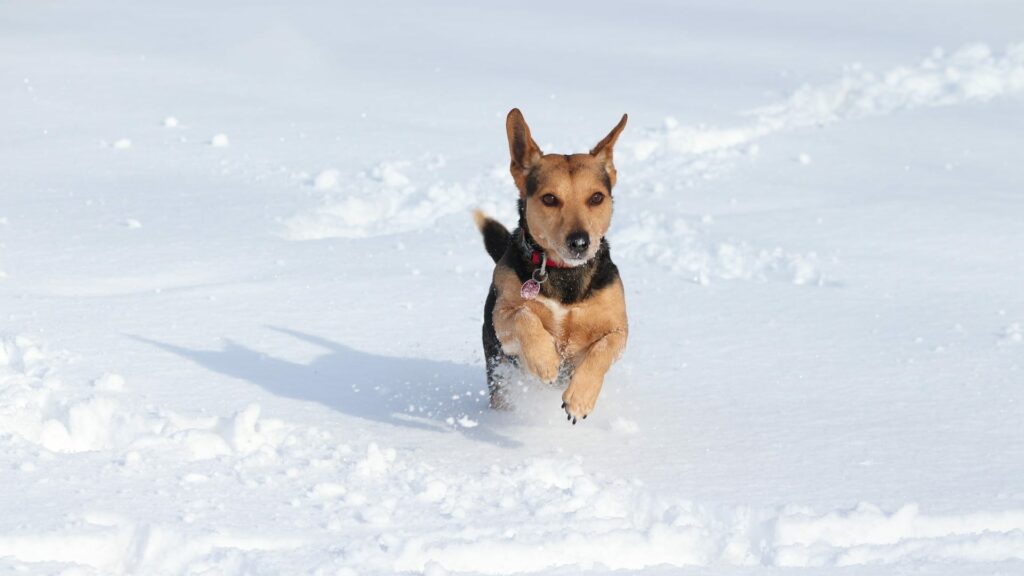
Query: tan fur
572, 179
590, 334
479, 218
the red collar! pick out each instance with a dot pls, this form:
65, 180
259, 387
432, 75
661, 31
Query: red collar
535, 258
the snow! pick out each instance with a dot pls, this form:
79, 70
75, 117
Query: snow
327, 179
817, 222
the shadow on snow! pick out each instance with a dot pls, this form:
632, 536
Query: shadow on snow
409, 392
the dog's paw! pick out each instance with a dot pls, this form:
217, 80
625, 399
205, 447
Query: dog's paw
543, 360
579, 399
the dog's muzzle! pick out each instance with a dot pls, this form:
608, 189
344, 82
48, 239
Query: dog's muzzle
578, 243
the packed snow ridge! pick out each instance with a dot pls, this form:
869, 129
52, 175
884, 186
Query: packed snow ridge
971, 74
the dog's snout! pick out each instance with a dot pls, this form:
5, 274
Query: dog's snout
578, 241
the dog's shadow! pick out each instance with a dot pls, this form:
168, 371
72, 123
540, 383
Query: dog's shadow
409, 392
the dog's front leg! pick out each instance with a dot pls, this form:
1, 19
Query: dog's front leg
522, 334
588, 378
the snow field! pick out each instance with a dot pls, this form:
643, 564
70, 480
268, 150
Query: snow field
244, 338
389, 198
413, 517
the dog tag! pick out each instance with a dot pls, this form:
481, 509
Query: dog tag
530, 289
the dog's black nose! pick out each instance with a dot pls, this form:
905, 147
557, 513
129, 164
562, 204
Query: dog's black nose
578, 242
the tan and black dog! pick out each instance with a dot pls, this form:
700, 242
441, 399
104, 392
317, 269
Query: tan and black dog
556, 305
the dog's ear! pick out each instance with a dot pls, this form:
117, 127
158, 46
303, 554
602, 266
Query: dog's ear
525, 152
603, 150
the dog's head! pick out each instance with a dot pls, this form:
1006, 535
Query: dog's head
566, 198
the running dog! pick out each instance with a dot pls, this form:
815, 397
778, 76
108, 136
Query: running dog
556, 305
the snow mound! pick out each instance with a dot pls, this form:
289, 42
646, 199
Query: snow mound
868, 535
688, 249
557, 515
383, 200
112, 544
1012, 334
327, 179
972, 73
38, 408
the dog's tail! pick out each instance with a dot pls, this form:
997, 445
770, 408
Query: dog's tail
496, 236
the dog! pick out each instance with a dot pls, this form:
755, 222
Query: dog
556, 304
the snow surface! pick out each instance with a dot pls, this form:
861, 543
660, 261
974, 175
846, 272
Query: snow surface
264, 357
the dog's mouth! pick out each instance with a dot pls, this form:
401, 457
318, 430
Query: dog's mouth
573, 258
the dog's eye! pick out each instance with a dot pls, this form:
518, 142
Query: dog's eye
596, 199
549, 200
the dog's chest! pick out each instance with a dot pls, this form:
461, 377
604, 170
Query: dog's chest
566, 322
555, 319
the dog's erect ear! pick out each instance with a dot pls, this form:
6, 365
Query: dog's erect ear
603, 150
525, 152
